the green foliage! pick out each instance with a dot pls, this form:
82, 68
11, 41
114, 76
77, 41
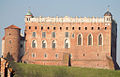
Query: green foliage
33, 70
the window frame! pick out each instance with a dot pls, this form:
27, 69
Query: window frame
81, 39
35, 44
91, 40
102, 39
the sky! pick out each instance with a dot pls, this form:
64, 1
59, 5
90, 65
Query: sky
13, 12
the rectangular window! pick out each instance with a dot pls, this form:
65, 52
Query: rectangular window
43, 34
53, 34
66, 34
73, 35
34, 34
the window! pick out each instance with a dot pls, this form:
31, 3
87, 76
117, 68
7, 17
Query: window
9, 33
85, 28
34, 34
66, 28
105, 28
41, 28
21, 46
73, 35
10, 41
79, 28
97, 54
33, 44
56, 55
48, 28
90, 39
92, 28
33, 55
67, 43
53, 34
60, 28
79, 39
100, 39
54, 28
43, 34
45, 55
72, 28
66, 34
98, 28
27, 19
36, 27
29, 27
53, 44
83, 54
43, 44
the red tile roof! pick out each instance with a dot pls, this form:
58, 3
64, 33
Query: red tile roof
13, 26
3, 38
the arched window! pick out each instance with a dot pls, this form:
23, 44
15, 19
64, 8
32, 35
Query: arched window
67, 43
100, 39
44, 44
33, 44
80, 39
53, 44
90, 39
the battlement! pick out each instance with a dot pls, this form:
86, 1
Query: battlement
67, 19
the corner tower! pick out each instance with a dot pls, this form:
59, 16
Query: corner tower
12, 43
28, 16
108, 16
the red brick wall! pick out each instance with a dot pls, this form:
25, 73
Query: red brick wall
14, 47
95, 56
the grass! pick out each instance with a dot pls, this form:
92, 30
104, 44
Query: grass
33, 70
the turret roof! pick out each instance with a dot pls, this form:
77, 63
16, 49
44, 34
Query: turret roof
29, 13
13, 27
3, 38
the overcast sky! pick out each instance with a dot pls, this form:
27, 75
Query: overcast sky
13, 11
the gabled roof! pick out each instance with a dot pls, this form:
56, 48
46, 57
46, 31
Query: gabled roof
13, 27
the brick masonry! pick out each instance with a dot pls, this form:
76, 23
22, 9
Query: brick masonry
93, 56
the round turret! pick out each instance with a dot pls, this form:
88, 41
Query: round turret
12, 43
28, 16
108, 16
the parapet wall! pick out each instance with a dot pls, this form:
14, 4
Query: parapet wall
67, 19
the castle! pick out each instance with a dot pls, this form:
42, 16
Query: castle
68, 41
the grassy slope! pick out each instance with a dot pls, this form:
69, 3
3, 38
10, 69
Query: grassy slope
32, 70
